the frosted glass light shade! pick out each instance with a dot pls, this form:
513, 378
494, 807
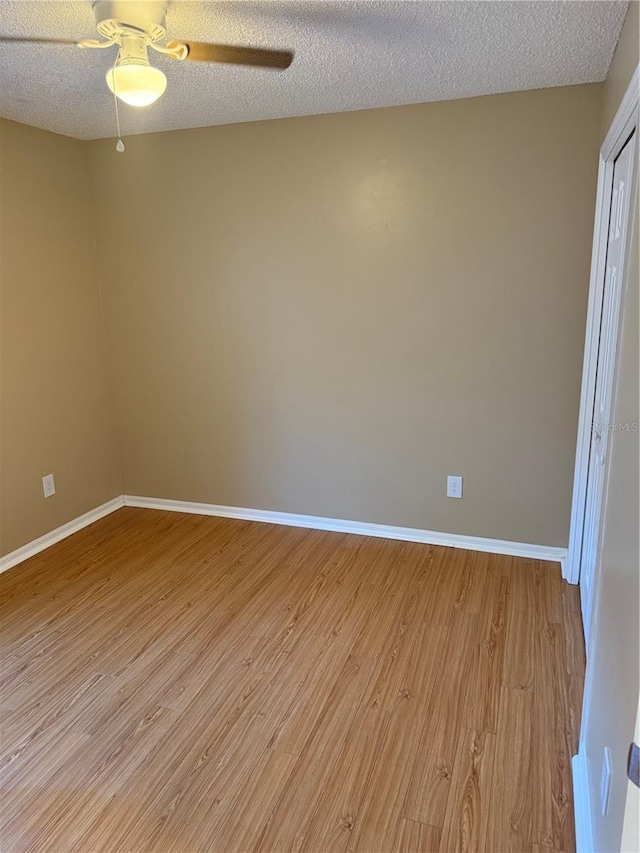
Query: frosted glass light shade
136, 85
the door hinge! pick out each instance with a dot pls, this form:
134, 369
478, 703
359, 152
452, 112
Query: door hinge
633, 767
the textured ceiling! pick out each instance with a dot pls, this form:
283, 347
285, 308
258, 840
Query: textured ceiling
350, 55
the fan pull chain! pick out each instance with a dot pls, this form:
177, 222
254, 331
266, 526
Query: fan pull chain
119, 143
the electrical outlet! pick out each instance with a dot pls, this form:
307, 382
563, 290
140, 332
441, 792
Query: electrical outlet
48, 486
454, 487
605, 781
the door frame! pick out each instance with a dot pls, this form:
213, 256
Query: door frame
626, 119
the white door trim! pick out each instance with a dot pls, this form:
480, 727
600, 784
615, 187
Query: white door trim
625, 120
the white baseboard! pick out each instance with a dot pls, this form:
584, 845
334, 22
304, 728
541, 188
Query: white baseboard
362, 528
31, 548
582, 804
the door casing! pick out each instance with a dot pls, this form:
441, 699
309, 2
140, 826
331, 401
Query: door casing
625, 121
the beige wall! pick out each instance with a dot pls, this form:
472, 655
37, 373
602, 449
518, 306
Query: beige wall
56, 414
614, 658
328, 315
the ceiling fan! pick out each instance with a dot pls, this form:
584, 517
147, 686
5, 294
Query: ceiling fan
137, 25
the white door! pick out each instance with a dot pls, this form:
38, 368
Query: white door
601, 426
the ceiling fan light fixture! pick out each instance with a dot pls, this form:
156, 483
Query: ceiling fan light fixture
136, 85
137, 25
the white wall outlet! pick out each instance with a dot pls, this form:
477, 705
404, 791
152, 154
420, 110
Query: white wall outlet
48, 486
605, 780
454, 487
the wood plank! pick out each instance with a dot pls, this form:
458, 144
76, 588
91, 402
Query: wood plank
522, 620
472, 581
485, 676
575, 658
60, 707
257, 800
90, 775
311, 694
383, 803
406, 637
466, 819
553, 824
571, 597
524, 587
511, 799
447, 580
548, 581
434, 756
288, 824
334, 818
415, 837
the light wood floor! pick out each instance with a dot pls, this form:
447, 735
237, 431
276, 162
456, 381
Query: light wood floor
180, 683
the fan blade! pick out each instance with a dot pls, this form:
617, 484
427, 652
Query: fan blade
203, 52
24, 40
